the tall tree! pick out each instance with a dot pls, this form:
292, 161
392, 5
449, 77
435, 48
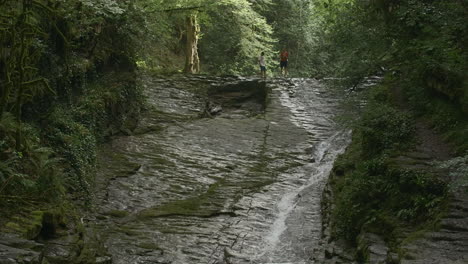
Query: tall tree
189, 9
192, 61
226, 35
21, 34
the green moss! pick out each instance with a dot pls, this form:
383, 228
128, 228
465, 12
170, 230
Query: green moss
190, 206
28, 226
38, 223
117, 213
129, 231
13, 226
150, 246
86, 255
201, 205
256, 184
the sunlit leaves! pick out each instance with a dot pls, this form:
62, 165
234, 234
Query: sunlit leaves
234, 36
103, 7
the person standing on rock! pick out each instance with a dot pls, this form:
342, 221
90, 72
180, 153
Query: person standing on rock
261, 62
284, 56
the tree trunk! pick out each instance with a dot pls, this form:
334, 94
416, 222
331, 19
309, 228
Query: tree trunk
192, 62
4, 87
20, 88
21, 70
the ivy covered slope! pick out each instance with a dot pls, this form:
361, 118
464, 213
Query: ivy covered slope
404, 176
68, 81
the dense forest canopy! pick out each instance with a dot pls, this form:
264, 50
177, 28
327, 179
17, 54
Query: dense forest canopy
68, 69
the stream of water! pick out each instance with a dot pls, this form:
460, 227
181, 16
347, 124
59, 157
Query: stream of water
236, 188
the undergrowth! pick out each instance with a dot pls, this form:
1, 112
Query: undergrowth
373, 192
58, 153
32, 172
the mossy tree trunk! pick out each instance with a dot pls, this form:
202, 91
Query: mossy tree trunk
7, 59
20, 87
192, 62
19, 80
4, 85
21, 63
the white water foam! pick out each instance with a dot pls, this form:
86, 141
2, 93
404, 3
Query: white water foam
324, 155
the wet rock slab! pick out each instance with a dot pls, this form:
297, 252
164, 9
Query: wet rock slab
223, 170
448, 244
245, 98
14, 249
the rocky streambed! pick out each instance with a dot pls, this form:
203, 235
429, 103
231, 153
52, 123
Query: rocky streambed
220, 170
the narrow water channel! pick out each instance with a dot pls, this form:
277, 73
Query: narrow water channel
241, 186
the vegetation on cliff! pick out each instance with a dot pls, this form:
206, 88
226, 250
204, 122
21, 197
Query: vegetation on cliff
382, 176
387, 183
67, 81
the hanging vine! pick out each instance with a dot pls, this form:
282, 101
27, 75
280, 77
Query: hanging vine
22, 36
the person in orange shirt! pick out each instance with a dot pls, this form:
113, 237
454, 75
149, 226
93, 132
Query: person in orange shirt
284, 55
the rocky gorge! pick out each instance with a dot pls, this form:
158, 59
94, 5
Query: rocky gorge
222, 170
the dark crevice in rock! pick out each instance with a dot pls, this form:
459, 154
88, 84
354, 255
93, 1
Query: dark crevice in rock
210, 215
246, 97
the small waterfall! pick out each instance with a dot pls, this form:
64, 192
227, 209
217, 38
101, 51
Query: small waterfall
279, 244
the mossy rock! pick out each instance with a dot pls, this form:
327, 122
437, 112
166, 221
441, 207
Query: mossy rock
29, 227
117, 213
37, 223
371, 248
151, 246
190, 206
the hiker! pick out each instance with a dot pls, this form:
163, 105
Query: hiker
284, 62
261, 62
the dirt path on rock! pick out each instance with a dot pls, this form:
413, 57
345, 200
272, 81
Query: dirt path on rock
449, 243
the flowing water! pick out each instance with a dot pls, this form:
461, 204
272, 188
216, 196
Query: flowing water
243, 186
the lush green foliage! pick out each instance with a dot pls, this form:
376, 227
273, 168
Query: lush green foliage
233, 34
420, 42
296, 29
373, 191
380, 198
34, 171
53, 110
418, 47
448, 119
384, 129
232, 43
